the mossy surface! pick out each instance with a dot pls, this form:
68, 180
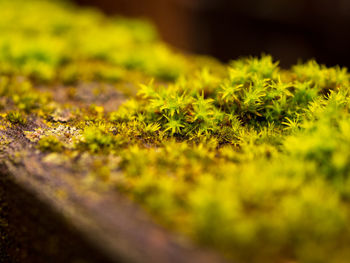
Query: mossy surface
246, 158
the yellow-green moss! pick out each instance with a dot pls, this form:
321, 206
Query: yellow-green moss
246, 158
50, 144
16, 117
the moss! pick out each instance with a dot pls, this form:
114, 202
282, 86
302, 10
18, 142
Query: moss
16, 117
99, 138
50, 144
247, 158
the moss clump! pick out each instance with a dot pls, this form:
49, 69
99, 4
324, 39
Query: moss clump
16, 117
98, 138
56, 49
247, 158
50, 144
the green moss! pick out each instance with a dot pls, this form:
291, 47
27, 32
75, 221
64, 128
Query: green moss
40, 49
50, 144
99, 138
16, 117
245, 158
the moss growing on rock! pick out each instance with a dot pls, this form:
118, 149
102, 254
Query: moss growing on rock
247, 158
50, 144
16, 117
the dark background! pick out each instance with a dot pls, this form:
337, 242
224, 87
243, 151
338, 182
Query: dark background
227, 29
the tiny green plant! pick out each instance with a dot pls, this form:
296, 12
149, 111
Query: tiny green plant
16, 117
50, 143
99, 138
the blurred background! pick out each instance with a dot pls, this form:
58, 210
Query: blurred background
289, 30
